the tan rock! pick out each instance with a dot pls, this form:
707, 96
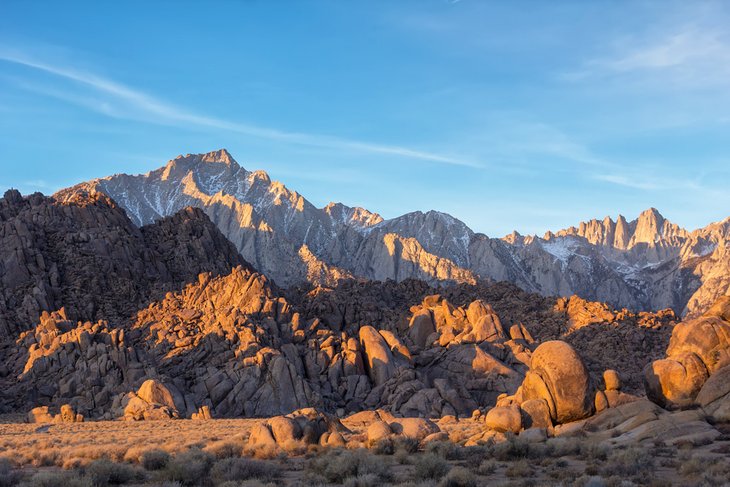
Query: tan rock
601, 401
154, 392
716, 387
336, 440
421, 327
707, 337
612, 380
536, 414
675, 382
504, 419
285, 429
415, 428
379, 358
378, 430
261, 436
566, 379
40, 414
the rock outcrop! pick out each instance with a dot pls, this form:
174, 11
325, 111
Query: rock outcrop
694, 369
86, 256
227, 342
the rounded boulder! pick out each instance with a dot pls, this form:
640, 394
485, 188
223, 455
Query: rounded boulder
564, 382
504, 418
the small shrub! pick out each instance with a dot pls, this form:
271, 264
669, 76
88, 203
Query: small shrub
237, 469
473, 456
56, 479
366, 480
402, 457
8, 476
383, 447
593, 451
445, 449
154, 459
691, 467
560, 447
519, 469
628, 463
408, 445
512, 449
487, 467
336, 466
458, 477
188, 468
105, 472
431, 466
225, 449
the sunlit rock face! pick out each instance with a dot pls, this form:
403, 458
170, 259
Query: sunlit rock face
697, 364
645, 264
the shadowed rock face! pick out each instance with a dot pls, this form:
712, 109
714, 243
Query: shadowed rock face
645, 264
85, 256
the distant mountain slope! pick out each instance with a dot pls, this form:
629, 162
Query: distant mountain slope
647, 263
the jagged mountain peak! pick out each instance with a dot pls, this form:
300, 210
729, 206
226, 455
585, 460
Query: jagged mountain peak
344, 214
219, 156
635, 264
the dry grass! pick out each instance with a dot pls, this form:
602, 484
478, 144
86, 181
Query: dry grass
215, 453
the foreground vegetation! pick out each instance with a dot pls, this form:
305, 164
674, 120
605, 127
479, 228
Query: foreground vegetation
216, 453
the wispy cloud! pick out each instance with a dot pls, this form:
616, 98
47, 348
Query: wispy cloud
684, 56
626, 181
156, 110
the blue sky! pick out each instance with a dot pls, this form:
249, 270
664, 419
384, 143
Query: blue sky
508, 115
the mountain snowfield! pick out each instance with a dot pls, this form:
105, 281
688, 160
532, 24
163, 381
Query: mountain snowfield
645, 264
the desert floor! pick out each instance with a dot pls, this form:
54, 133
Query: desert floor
215, 452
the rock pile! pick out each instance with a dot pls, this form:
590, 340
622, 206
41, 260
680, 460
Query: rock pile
41, 414
696, 370
302, 427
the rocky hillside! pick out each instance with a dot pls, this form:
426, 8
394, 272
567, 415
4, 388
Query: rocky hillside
645, 264
232, 346
86, 256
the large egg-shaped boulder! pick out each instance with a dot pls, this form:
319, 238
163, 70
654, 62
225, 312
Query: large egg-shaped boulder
559, 376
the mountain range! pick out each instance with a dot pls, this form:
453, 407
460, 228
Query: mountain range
648, 263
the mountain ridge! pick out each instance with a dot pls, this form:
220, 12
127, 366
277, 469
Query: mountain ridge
648, 263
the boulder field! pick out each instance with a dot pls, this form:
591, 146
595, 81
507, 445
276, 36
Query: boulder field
100, 319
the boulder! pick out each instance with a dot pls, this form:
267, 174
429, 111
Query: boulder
155, 392
707, 337
261, 436
414, 428
379, 359
335, 439
612, 380
285, 430
68, 415
716, 387
504, 419
421, 327
565, 379
675, 382
202, 413
720, 309
377, 431
535, 414
601, 402
40, 414
137, 409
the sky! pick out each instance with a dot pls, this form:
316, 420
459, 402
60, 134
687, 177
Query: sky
520, 115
